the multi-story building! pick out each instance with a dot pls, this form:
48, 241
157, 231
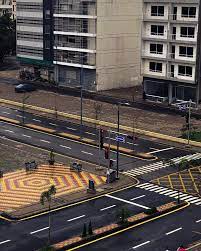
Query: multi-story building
171, 50
8, 6
94, 43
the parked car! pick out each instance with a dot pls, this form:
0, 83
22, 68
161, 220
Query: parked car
25, 88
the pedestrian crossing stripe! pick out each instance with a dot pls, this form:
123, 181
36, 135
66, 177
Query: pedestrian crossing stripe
171, 193
159, 165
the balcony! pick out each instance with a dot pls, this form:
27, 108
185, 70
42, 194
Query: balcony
75, 59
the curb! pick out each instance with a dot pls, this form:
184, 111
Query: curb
104, 123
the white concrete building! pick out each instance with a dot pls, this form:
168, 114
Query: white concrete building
95, 43
171, 49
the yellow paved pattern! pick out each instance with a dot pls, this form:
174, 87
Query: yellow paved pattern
187, 181
20, 189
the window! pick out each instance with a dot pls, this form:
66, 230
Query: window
157, 11
189, 12
157, 30
185, 71
156, 48
47, 29
187, 32
155, 67
47, 44
185, 51
47, 14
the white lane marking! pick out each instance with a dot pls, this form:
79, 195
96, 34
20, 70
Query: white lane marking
45, 141
114, 160
197, 221
70, 128
67, 147
76, 218
4, 241
90, 133
105, 208
132, 144
6, 112
152, 148
37, 120
24, 135
9, 131
52, 124
162, 150
138, 197
126, 201
19, 116
87, 153
142, 244
39, 230
173, 231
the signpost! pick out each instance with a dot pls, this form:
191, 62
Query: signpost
120, 138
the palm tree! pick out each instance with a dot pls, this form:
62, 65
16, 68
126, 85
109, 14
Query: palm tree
183, 164
47, 196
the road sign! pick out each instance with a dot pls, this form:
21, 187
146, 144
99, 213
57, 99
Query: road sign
120, 139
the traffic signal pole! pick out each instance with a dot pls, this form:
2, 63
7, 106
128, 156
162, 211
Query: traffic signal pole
117, 142
189, 120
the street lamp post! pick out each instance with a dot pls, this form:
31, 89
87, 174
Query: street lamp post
81, 100
118, 120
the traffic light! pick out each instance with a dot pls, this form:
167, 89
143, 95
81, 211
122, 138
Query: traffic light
106, 153
111, 163
101, 138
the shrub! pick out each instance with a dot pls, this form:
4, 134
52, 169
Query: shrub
152, 210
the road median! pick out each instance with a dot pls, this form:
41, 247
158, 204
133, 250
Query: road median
108, 231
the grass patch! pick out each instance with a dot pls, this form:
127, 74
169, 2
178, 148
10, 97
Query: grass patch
196, 136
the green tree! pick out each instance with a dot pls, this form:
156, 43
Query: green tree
7, 37
122, 215
47, 196
90, 230
84, 231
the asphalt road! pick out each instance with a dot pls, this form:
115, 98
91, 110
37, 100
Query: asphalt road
165, 234
32, 234
140, 145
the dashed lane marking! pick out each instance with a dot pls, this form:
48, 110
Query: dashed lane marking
8, 131
141, 196
87, 153
76, 218
39, 230
67, 147
4, 241
142, 244
37, 120
173, 231
105, 208
45, 141
27, 136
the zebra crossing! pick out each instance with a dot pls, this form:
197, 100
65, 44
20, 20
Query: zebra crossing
159, 165
171, 193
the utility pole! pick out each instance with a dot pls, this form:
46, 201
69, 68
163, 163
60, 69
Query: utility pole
23, 107
189, 120
118, 141
81, 100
